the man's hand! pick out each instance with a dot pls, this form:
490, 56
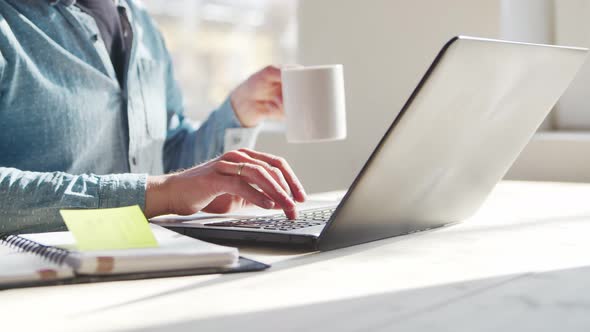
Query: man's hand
236, 179
259, 97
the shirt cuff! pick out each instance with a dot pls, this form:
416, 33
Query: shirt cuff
122, 190
236, 136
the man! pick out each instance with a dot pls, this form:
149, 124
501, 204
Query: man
90, 116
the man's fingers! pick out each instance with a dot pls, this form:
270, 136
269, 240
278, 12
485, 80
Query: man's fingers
278, 101
258, 176
271, 73
270, 108
294, 183
274, 112
244, 190
229, 168
279, 94
240, 157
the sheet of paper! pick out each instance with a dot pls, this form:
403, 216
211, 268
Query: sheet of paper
104, 229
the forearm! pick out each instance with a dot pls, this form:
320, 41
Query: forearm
157, 196
30, 201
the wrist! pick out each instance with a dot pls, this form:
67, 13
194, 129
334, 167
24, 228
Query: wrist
239, 104
157, 196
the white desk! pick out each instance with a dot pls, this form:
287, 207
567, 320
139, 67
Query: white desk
522, 263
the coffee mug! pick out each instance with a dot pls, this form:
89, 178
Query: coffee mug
314, 102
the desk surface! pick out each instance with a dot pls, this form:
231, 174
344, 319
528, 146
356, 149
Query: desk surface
521, 263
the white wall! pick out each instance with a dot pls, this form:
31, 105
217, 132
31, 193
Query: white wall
564, 153
530, 21
385, 46
572, 27
527, 20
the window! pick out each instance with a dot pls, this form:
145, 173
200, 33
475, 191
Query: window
216, 44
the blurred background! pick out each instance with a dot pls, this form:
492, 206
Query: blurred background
385, 46
216, 44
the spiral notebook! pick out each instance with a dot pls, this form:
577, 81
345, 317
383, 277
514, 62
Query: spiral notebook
51, 258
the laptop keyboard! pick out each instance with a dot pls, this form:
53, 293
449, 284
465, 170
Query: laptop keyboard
280, 222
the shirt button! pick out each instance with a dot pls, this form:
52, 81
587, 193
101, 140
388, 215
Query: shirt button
134, 161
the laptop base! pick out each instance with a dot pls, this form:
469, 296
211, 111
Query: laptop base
237, 238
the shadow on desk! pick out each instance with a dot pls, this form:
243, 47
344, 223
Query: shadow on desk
302, 258
548, 301
446, 234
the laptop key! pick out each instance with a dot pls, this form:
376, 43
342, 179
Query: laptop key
279, 222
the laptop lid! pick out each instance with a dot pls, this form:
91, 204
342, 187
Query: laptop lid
473, 112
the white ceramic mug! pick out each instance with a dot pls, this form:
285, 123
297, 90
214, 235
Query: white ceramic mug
314, 102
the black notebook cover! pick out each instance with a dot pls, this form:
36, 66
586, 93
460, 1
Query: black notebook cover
244, 265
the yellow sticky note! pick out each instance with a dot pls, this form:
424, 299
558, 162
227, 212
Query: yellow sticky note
104, 229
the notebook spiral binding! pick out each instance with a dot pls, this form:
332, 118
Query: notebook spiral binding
52, 254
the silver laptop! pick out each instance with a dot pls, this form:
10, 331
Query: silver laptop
466, 122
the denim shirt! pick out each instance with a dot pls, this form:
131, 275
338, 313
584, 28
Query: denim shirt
64, 138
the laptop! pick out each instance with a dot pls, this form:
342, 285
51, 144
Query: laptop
475, 109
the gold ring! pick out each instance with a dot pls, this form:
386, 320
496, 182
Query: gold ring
240, 169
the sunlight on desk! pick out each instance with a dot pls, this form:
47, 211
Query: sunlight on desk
526, 248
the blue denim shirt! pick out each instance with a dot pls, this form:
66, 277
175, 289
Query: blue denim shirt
64, 141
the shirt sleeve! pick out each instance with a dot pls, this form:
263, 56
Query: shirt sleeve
30, 201
186, 144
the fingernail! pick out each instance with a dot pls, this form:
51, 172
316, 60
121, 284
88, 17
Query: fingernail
293, 213
268, 204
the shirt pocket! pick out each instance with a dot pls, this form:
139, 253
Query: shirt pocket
153, 93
